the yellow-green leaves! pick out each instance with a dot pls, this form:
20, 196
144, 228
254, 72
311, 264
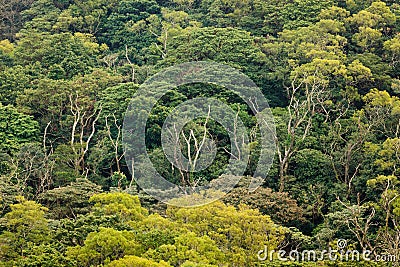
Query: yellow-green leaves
134, 261
393, 47
238, 233
126, 206
383, 110
377, 15
334, 13
189, 247
389, 155
104, 246
376, 98
6, 46
211, 235
357, 72
382, 180
372, 24
25, 226
367, 37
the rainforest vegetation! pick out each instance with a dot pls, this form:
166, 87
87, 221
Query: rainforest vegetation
330, 70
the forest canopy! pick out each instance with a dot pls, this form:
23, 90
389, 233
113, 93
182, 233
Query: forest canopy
329, 69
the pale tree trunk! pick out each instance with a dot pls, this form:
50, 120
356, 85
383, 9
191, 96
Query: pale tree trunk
359, 225
304, 98
84, 122
190, 140
115, 142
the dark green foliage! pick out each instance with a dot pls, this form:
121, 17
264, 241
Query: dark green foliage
71, 200
60, 56
116, 33
69, 69
15, 129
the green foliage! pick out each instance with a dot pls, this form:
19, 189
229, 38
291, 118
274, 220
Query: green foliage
14, 80
71, 200
279, 206
226, 226
72, 232
133, 261
189, 247
42, 255
124, 205
16, 129
68, 71
12, 20
311, 165
24, 226
155, 231
102, 247
116, 31
230, 45
61, 55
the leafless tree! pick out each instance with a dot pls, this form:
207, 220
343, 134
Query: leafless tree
83, 130
305, 94
111, 60
359, 222
343, 163
130, 64
115, 141
193, 145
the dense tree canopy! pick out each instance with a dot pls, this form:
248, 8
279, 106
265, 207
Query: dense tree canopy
329, 69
